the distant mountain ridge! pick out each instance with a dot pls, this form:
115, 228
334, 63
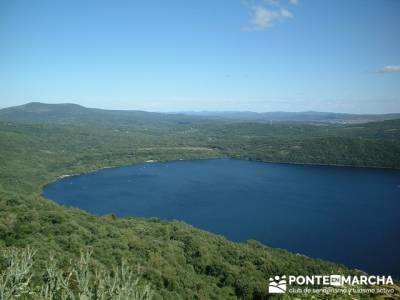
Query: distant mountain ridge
306, 116
69, 113
39, 107
59, 110
37, 112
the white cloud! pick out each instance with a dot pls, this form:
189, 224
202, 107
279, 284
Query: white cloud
390, 69
294, 2
266, 14
285, 13
263, 18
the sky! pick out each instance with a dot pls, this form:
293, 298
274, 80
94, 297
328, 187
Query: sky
256, 55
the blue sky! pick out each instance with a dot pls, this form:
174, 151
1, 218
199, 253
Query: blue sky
265, 55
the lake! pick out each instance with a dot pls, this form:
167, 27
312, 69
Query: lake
342, 214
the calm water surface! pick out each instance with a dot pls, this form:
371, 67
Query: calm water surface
346, 215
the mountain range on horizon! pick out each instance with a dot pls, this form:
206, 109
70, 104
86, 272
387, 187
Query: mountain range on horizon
70, 112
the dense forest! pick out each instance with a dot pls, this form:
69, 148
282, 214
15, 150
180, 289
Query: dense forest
170, 259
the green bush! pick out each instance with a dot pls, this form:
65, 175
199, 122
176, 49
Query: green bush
80, 280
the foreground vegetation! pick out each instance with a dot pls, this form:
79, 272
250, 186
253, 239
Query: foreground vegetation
80, 280
177, 261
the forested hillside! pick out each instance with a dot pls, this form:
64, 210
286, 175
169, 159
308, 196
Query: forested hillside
177, 261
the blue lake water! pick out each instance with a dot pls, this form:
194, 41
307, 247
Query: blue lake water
346, 215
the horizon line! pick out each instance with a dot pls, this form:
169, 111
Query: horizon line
187, 111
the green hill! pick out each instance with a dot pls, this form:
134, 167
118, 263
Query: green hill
68, 113
177, 260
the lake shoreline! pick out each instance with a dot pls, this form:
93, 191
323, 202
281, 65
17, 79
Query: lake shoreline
319, 164
62, 176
